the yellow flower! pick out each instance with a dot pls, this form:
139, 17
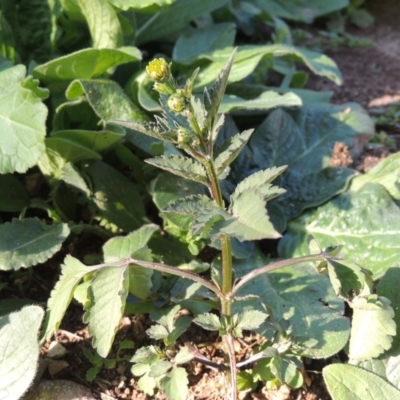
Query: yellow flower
158, 70
176, 103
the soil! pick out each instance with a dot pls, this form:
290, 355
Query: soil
371, 78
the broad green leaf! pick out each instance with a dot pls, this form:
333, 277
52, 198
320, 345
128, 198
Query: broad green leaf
181, 166
184, 355
251, 319
174, 18
95, 141
19, 351
346, 382
85, 64
203, 40
157, 332
388, 287
117, 248
180, 326
393, 371
366, 222
230, 149
372, 328
175, 384
165, 316
265, 101
14, 196
146, 355
299, 10
213, 96
249, 56
386, 173
104, 25
28, 242
302, 296
22, 122
304, 140
116, 197
61, 151
72, 272
150, 6
208, 321
107, 99
376, 365
107, 296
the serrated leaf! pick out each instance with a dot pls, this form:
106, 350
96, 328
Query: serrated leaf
213, 97
107, 296
149, 129
85, 64
388, 287
208, 321
28, 242
157, 332
147, 384
260, 181
72, 272
251, 319
249, 219
180, 325
392, 371
22, 122
140, 369
349, 382
146, 355
175, 384
230, 149
369, 229
372, 327
159, 368
184, 355
181, 166
19, 351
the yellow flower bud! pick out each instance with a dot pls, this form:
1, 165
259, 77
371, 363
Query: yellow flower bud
158, 70
176, 103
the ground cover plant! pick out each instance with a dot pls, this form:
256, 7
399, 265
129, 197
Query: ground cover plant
146, 159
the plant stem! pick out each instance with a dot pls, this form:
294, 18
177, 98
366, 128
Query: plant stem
271, 267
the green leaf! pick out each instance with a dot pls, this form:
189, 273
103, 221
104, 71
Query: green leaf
260, 182
174, 18
388, 287
149, 6
304, 140
303, 297
392, 371
19, 351
157, 332
14, 196
117, 197
72, 272
184, 355
367, 222
175, 384
208, 321
348, 382
103, 22
85, 64
146, 355
181, 166
28, 242
107, 99
22, 122
95, 141
159, 368
230, 149
236, 105
372, 327
213, 97
107, 296
249, 56
251, 319
59, 152
203, 40
386, 173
